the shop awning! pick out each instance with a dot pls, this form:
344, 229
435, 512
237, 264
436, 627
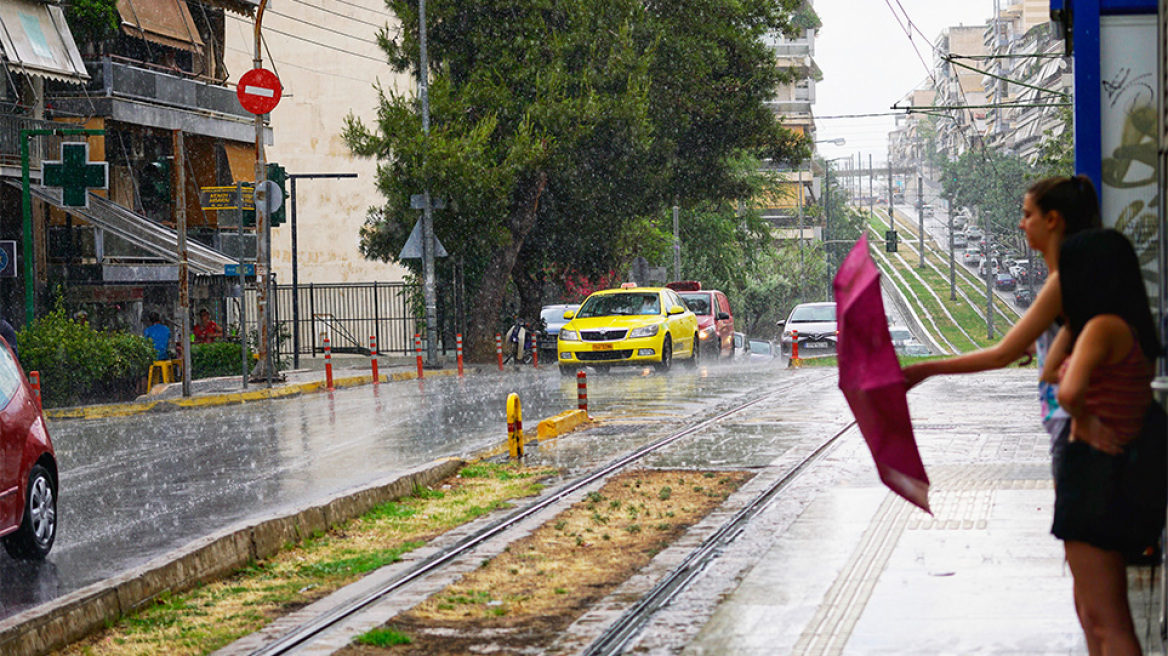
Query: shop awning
242, 160
37, 41
165, 22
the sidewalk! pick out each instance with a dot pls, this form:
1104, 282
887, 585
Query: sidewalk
348, 371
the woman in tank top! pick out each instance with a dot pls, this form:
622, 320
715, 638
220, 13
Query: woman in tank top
1103, 362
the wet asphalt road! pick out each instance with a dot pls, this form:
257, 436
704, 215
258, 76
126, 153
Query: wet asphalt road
135, 488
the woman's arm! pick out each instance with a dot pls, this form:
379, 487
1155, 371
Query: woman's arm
1041, 314
1060, 348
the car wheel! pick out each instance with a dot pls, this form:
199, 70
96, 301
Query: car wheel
568, 371
38, 527
666, 355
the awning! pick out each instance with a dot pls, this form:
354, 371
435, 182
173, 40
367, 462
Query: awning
37, 41
165, 22
241, 158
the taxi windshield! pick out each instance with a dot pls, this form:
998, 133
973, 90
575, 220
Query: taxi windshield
626, 304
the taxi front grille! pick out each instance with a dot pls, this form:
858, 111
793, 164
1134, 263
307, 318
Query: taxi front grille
597, 356
603, 335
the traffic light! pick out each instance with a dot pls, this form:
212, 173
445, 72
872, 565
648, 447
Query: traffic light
279, 175
890, 241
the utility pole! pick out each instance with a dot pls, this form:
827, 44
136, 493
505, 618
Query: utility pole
921, 217
952, 269
428, 248
263, 368
676, 240
891, 221
184, 283
989, 281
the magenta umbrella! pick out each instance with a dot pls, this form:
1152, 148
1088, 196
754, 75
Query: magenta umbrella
871, 379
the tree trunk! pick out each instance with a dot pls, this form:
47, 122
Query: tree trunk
487, 303
529, 281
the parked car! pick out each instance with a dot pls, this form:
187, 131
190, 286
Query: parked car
1023, 297
28, 479
913, 348
715, 320
740, 352
959, 240
553, 320
628, 326
991, 270
1005, 282
816, 326
900, 335
761, 350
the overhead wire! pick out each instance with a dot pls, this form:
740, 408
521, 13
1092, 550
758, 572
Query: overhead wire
337, 13
323, 45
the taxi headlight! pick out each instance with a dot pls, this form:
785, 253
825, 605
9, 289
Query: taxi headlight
569, 336
644, 331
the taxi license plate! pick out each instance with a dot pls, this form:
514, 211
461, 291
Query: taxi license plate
602, 347
814, 345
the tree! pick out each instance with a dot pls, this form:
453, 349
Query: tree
994, 183
569, 124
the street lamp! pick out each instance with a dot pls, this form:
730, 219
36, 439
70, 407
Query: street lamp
827, 201
839, 141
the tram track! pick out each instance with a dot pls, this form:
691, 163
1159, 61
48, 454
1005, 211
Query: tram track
304, 634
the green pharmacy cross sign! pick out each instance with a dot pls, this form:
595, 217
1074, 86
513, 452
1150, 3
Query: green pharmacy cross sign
75, 174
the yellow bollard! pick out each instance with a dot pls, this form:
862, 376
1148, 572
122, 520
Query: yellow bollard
514, 426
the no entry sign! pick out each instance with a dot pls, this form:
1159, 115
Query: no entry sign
259, 91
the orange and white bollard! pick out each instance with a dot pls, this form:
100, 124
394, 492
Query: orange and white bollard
328, 364
458, 349
35, 379
514, 426
795, 362
499, 349
418, 350
582, 391
373, 359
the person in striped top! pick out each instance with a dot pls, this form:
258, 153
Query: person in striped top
1103, 362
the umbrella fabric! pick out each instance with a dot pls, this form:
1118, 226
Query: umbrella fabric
871, 379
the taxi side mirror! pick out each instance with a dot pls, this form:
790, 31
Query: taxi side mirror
676, 309
569, 315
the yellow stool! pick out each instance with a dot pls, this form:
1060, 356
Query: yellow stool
168, 372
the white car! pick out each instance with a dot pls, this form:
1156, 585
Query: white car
816, 326
959, 240
900, 335
972, 256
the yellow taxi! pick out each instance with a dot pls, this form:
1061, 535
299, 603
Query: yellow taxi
628, 326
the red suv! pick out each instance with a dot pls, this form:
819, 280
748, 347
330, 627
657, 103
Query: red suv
715, 321
28, 466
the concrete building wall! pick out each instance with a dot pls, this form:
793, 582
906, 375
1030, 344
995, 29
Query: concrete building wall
327, 58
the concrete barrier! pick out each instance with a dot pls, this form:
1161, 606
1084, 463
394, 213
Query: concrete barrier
562, 423
67, 619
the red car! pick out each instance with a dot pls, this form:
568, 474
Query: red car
715, 321
28, 466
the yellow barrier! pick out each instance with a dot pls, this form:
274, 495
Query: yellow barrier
514, 426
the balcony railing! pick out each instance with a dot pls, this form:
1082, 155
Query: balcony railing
40, 147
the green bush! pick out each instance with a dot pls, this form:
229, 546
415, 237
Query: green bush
216, 359
79, 364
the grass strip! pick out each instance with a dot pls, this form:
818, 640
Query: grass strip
216, 614
524, 599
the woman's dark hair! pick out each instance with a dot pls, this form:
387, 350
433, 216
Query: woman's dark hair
1100, 274
1074, 198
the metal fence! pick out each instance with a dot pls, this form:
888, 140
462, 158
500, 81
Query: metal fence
348, 314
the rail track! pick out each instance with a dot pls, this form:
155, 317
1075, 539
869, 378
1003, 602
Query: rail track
629, 625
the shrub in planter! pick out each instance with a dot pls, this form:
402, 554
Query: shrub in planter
79, 364
215, 359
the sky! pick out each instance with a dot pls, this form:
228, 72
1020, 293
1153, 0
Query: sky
869, 63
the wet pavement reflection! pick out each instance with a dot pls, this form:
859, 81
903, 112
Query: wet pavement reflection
133, 489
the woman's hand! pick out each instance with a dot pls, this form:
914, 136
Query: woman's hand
1088, 428
913, 374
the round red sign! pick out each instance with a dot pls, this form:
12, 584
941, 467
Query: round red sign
259, 91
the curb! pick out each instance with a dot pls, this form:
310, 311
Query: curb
233, 398
67, 619
562, 423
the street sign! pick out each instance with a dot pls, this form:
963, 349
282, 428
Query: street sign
7, 258
225, 198
273, 195
259, 91
413, 248
233, 269
75, 174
